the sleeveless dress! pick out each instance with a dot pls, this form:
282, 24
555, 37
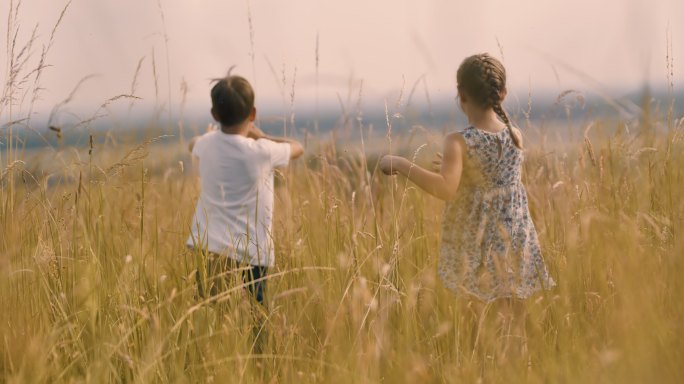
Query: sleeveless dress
489, 244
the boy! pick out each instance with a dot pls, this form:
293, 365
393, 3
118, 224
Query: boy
233, 218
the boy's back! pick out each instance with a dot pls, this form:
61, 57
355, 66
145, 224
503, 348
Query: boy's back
235, 210
232, 225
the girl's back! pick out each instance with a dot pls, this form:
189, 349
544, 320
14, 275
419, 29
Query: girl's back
493, 157
489, 246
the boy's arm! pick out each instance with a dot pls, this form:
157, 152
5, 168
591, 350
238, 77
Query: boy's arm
194, 169
296, 149
192, 142
194, 159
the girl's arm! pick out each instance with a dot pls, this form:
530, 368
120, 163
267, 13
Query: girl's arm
443, 184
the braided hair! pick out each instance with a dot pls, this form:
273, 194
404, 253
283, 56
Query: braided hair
483, 78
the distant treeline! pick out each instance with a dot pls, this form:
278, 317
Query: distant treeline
548, 109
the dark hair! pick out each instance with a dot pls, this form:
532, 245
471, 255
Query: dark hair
483, 79
232, 100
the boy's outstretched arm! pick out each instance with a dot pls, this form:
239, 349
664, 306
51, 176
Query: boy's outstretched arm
296, 149
443, 184
192, 142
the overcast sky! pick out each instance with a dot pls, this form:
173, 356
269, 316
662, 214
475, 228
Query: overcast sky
548, 46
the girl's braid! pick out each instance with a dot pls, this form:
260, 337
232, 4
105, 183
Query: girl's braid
495, 78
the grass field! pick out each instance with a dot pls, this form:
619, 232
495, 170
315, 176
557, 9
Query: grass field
97, 286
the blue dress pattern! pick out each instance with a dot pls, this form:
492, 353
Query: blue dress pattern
489, 244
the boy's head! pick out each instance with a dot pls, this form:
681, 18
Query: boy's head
232, 100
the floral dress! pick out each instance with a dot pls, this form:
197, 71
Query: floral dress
489, 244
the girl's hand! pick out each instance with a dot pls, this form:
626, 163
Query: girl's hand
437, 162
389, 164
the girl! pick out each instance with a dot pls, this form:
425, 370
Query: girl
489, 245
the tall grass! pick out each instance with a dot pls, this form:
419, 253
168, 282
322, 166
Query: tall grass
97, 284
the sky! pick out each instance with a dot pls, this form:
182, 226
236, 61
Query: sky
302, 53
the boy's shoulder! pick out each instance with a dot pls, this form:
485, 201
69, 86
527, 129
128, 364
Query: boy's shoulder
210, 134
198, 143
206, 136
216, 139
265, 143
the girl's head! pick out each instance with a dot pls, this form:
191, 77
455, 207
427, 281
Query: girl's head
482, 81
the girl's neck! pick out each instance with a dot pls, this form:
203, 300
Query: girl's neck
484, 119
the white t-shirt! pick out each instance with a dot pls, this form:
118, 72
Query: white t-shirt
234, 213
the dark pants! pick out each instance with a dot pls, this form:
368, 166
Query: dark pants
221, 271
